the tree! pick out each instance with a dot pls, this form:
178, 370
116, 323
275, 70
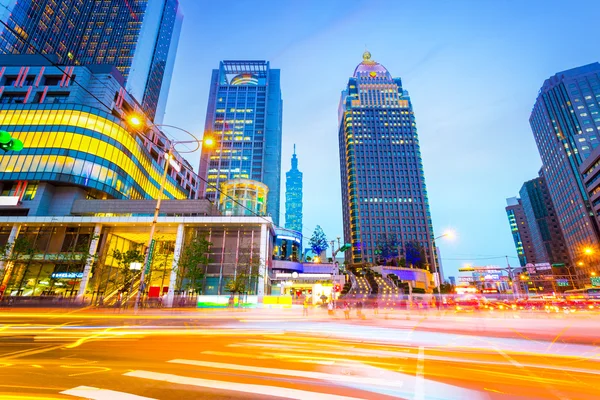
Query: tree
193, 262
318, 241
446, 288
242, 282
21, 251
415, 255
124, 260
387, 249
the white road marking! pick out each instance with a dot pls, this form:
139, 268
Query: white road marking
93, 393
420, 380
237, 387
291, 372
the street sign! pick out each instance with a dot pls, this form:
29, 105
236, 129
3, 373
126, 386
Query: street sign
562, 282
150, 254
466, 269
595, 280
346, 246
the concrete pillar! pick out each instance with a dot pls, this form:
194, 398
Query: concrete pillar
89, 262
6, 266
176, 254
262, 269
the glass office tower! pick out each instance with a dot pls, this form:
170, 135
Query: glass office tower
244, 116
138, 37
546, 237
519, 227
565, 121
293, 196
384, 196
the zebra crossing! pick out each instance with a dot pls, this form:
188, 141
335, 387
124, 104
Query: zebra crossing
258, 389
262, 382
277, 367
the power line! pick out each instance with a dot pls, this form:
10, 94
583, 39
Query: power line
475, 259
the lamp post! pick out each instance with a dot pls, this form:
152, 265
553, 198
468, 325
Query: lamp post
136, 121
449, 235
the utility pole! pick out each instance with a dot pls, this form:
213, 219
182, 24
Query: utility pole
511, 277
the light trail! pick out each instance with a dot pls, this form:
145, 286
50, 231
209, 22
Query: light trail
239, 387
297, 373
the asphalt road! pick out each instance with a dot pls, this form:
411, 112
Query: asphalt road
270, 354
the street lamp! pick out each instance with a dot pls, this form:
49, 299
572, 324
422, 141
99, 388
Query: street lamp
589, 252
450, 235
137, 122
135, 266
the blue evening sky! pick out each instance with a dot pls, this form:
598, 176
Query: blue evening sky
473, 70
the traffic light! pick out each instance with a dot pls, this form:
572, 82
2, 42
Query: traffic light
8, 143
337, 288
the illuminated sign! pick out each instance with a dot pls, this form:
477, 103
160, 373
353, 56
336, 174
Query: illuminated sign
297, 275
9, 200
595, 280
543, 266
288, 238
67, 275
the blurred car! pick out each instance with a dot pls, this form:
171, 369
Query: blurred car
468, 303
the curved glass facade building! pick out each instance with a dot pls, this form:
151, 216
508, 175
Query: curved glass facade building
243, 197
383, 184
288, 246
74, 144
77, 144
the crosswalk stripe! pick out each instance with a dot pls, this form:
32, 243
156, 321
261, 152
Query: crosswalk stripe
290, 372
93, 393
265, 390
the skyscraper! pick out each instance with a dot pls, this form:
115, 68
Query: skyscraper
138, 37
384, 197
293, 196
546, 237
244, 115
520, 230
566, 124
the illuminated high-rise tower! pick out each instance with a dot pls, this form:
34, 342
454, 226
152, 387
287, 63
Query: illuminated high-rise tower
138, 37
244, 115
383, 185
565, 121
293, 196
